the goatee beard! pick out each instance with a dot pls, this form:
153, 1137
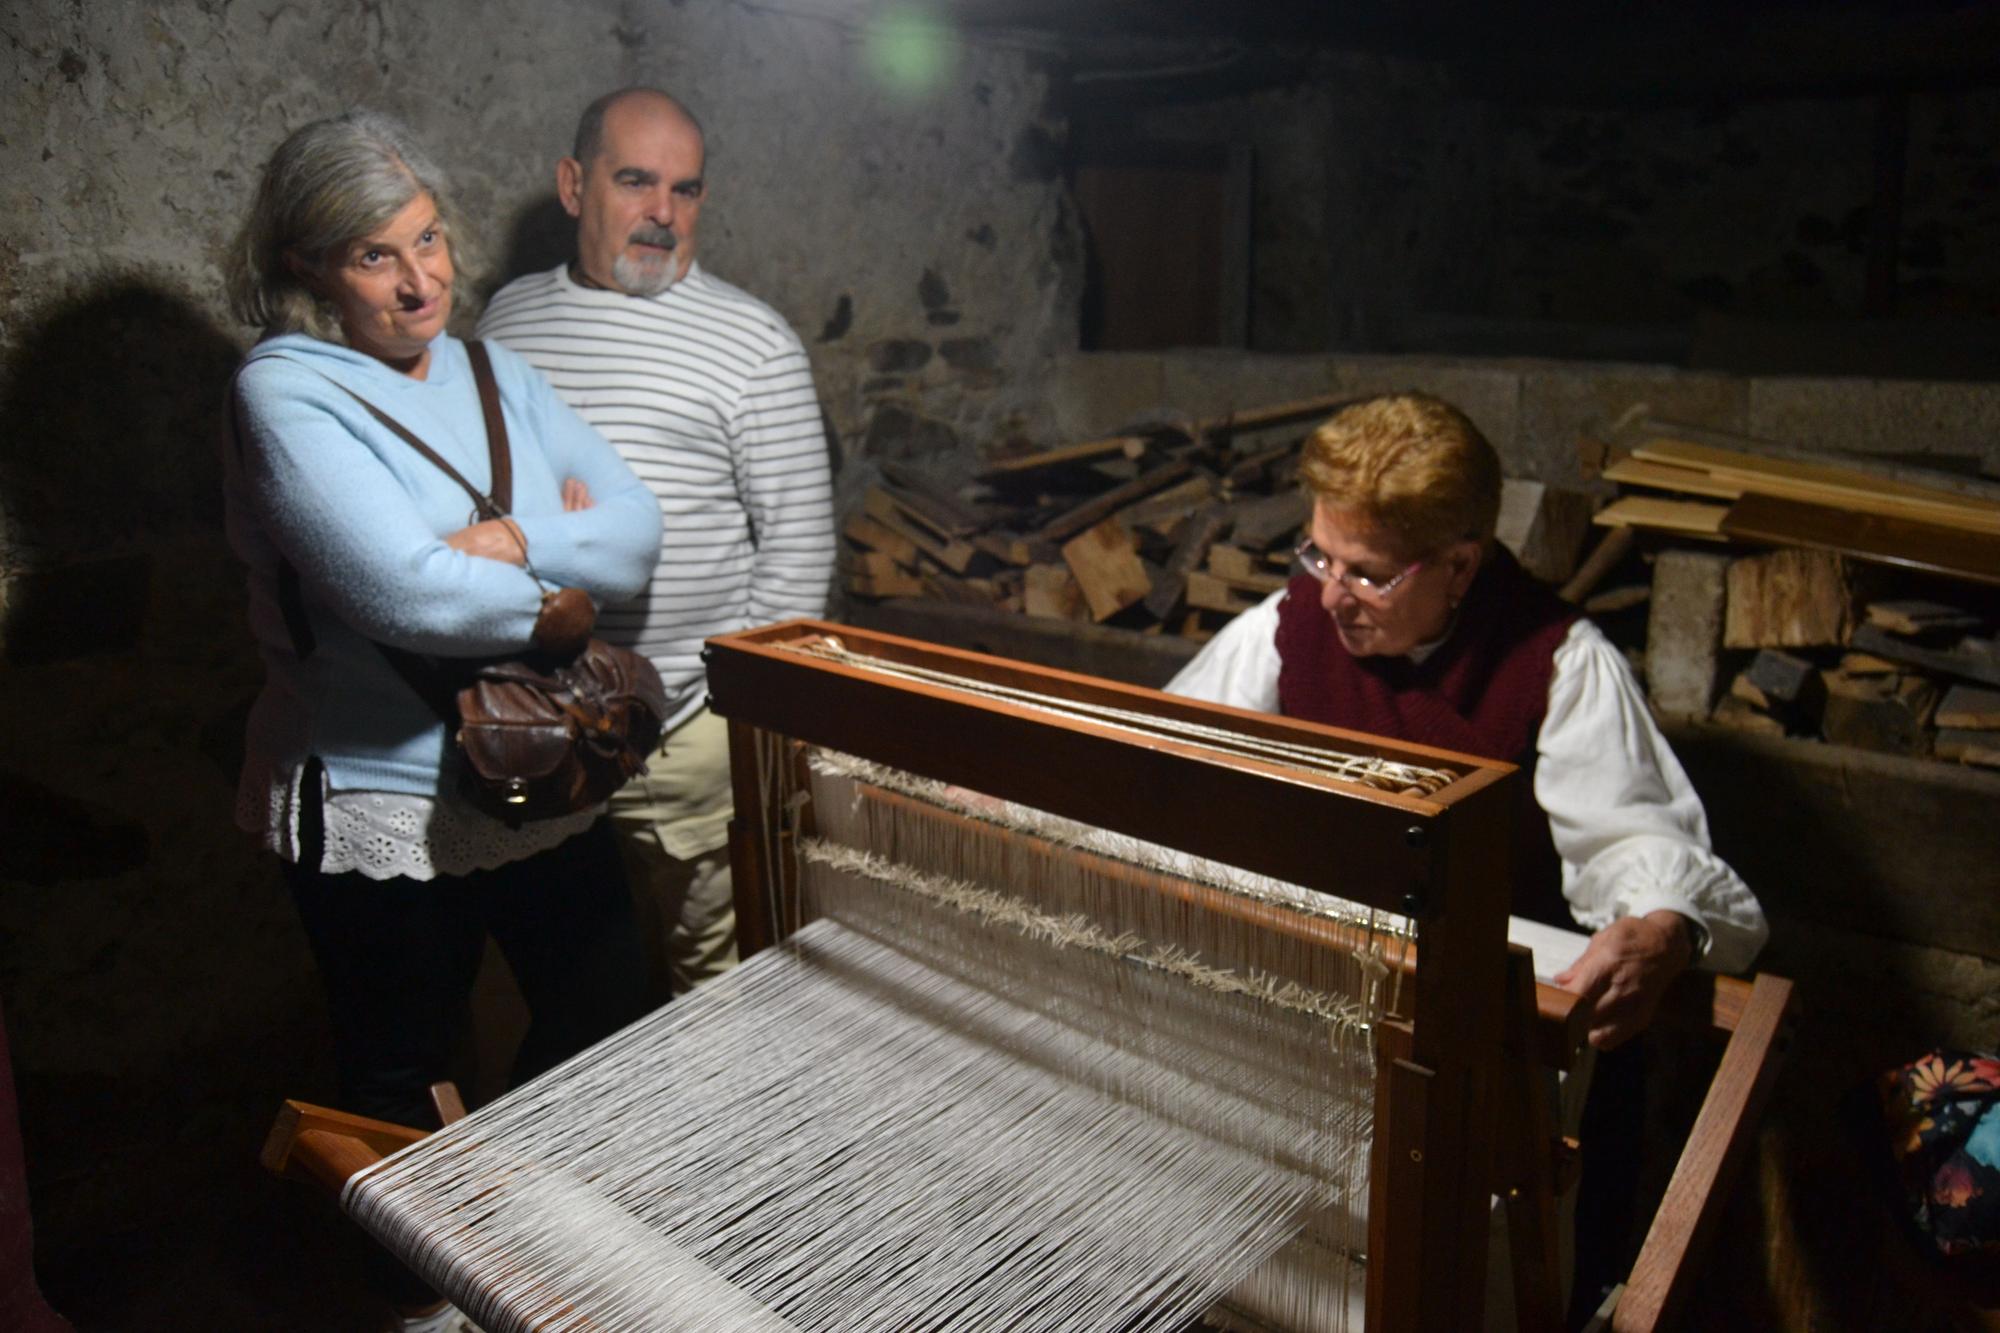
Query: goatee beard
638, 278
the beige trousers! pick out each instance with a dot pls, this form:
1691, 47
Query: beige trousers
673, 830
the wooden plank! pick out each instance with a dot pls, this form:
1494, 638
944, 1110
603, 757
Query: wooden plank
1249, 471
1888, 713
1610, 553
1612, 600
1277, 414
1790, 599
1723, 1134
863, 529
1836, 487
1647, 429
893, 584
965, 592
1105, 561
1262, 523
1231, 561
1740, 714
1981, 748
870, 564
1686, 518
1232, 596
1020, 754
1971, 658
1172, 504
1921, 546
1052, 591
1782, 678
952, 553
319, 1144
1920, 617
1258, 582
1197, 536
1004, 547
1970, 707
918, 489
1666, 477
1067, 525
1114, 446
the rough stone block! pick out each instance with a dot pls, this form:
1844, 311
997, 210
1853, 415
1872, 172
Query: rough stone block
1876, 416
1212, 383
1094, 393
1557, 403
1684, 630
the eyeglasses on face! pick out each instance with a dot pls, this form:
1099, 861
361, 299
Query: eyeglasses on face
1320, 565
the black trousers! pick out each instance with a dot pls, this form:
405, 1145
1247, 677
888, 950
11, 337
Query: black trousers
398, 958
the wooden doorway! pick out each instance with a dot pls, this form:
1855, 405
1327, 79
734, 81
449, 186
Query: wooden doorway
1167, 247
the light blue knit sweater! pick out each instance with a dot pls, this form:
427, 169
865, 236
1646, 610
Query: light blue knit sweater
311, 479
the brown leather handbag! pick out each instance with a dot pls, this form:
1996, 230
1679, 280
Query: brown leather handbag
558, 729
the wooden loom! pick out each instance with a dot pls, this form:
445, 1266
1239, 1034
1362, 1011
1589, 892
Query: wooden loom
1460, 1115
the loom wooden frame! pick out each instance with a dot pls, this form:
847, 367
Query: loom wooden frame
1441, 859
1456, 1116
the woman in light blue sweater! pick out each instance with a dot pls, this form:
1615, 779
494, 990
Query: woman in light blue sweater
352, 540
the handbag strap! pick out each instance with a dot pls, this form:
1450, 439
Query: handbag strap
501, 457
435, 686
487, 505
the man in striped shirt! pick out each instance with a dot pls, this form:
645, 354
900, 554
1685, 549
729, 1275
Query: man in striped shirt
708, 395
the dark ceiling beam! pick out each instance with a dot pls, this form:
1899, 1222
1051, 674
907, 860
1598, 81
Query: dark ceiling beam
1746, 56
1541, 52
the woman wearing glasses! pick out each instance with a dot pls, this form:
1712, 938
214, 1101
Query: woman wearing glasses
1407, 619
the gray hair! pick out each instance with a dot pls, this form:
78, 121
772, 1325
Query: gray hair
328, 184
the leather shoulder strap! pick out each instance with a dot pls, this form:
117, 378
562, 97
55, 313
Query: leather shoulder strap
496, 424
486, 506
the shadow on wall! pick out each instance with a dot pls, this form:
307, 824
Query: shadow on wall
112, 402
542, 236
160, 997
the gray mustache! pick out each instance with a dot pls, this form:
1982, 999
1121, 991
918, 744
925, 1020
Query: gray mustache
661, 236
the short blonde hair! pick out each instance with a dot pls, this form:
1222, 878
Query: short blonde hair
328, 184
1412, 463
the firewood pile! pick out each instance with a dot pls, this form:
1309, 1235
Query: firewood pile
1168, 528
1857, 601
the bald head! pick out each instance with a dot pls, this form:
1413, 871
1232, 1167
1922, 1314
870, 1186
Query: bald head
635, 187
644, 101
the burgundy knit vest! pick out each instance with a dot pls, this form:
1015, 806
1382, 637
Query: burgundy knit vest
1484, 691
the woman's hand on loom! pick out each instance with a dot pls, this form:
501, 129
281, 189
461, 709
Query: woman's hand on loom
1625, 970
491, 539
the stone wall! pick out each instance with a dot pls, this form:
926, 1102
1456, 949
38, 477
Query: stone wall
1761, 208
1396, 211
896, 200
1533, 411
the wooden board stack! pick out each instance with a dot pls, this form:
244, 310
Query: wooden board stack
1871, 624
1788, 501
1172, 528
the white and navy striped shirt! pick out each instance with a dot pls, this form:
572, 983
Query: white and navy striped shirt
707, 393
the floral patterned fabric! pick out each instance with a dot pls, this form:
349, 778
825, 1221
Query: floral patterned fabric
1943, 1115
